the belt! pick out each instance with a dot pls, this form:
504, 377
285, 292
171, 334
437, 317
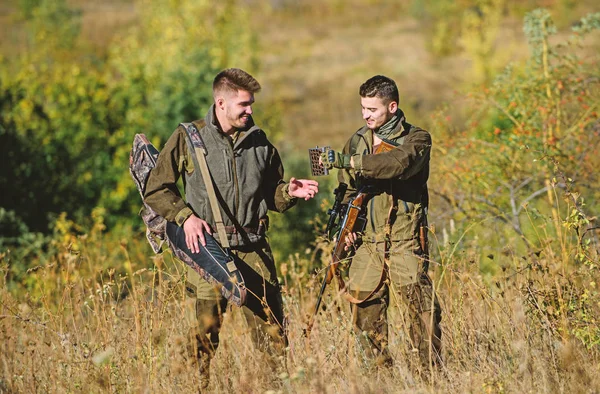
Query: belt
260, 230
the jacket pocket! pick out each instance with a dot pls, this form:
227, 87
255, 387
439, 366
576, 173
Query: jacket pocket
407, 222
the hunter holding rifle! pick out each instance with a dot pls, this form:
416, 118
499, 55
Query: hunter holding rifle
388, 161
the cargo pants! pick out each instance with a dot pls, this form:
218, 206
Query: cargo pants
409, 284
263, 310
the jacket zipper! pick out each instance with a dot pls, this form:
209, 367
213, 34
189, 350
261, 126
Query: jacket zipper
235, 182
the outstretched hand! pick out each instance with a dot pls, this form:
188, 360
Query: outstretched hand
303, 188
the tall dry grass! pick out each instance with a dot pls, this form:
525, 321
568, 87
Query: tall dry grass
94, 319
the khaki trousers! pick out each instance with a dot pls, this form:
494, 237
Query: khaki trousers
411, 286
263, 310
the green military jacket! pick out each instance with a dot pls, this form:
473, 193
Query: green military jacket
247, 174
400, 174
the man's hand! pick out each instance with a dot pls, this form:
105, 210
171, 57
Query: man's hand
350, 241
194, 228
331, 158
303, 188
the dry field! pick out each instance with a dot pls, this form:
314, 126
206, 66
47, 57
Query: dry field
101, 314
122, 329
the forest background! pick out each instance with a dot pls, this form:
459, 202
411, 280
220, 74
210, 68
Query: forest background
508, 90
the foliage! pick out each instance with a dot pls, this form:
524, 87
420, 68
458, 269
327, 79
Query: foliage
475, 28
522, 190
514, 203
527, 128
53, 24
68, 130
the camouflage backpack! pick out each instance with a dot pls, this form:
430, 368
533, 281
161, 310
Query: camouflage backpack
211, 263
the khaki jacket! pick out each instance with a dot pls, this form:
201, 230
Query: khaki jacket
401, 174
247, 174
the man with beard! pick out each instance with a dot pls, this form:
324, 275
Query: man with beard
247, 173
390, 257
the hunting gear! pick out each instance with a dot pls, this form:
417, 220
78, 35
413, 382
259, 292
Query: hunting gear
387, 160
232, 176
213, 264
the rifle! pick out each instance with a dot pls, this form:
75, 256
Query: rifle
353, 220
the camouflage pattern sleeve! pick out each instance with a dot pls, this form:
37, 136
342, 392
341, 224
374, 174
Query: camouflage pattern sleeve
162, 193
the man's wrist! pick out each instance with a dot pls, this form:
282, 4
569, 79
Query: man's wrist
183, 215
286, 193
333, 159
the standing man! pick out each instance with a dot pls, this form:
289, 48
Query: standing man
392, 155
248, 177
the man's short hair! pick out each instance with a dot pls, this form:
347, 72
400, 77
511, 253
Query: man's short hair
234, 79
382, 87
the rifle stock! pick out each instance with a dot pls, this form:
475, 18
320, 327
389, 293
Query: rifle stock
384, 146
353, 221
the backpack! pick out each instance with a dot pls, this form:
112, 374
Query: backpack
211, 263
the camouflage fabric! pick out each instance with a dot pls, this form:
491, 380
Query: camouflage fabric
142, 160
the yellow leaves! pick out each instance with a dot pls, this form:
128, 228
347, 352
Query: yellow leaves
80, 90
26, 106
170, 33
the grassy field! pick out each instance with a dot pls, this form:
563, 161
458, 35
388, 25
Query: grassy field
97, 312
120, 330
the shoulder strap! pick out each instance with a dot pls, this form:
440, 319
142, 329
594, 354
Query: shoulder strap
200, 150
354, 142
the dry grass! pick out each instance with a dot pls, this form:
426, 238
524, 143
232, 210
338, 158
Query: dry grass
95, 320
85, 329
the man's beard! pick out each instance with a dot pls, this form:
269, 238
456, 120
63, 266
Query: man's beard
239, 122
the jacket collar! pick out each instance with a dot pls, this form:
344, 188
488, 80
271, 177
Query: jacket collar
367, 134
213, 124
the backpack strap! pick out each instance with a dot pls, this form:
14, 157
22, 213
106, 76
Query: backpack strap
200, 151
354, 140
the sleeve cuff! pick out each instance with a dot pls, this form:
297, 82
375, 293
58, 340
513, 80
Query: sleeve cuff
182, 216
286, 193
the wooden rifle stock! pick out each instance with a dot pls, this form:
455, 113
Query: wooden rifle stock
384, 146
354, 222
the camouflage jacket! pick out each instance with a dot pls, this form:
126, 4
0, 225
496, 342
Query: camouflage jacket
247, 174
400, 174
